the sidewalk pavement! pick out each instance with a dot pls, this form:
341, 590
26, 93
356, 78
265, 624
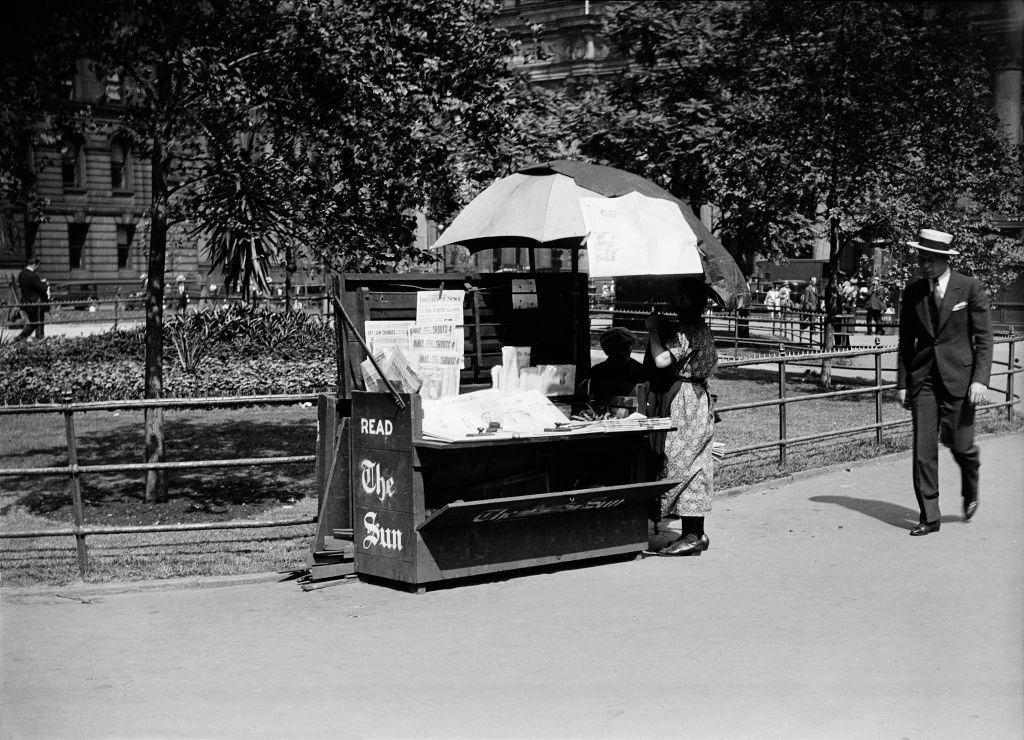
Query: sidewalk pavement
813, 615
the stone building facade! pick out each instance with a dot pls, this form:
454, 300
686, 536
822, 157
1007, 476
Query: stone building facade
97, 189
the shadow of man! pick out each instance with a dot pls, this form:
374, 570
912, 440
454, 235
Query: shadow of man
888, 513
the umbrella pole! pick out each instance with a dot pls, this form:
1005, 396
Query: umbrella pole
575, 259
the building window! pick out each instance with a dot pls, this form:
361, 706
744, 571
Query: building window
120, 165
72, 164
112, 89
125, 236
76, 244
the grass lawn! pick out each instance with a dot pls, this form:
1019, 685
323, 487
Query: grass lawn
287, 492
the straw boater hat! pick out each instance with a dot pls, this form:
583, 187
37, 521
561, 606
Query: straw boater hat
936, 242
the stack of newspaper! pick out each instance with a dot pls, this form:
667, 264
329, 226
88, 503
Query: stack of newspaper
490, 413
395, 367
425, 356
494, 414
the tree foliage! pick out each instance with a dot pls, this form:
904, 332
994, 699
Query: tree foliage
281, 128
863, 121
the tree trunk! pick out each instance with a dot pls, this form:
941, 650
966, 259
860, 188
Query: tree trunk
156, 484
831, 301
156, 480
289, 268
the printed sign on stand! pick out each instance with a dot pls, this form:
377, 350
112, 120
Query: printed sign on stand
383, 335
621, 242
524, 293
439, 307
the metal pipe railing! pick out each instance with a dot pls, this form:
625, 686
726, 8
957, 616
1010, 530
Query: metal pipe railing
74, 470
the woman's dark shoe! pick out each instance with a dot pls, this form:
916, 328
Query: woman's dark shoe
686, 545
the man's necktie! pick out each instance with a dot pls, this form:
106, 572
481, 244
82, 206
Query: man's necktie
936, 304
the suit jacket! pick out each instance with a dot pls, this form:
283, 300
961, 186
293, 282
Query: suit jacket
809, 299
959, 344
33, 287
875, 301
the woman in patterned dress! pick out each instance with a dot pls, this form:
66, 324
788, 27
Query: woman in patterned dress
689, 350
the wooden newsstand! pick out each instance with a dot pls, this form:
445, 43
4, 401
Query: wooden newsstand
423, 511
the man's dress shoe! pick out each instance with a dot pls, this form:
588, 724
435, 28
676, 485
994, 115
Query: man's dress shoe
923, 529
970, 509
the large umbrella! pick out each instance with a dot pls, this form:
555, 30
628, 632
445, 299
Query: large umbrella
629, 225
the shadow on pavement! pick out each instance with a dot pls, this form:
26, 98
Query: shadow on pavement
891, 514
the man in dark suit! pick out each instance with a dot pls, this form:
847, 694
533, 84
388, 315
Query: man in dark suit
945, 359
33, 292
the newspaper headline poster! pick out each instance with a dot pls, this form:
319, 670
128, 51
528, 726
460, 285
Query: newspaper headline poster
437, 354
433, 344
384, 335
439, 307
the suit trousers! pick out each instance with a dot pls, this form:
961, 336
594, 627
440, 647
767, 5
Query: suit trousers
36, 317
938, 416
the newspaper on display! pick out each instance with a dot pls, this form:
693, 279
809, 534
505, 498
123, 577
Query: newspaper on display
427, 354
493, 414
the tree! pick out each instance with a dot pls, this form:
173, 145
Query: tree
867, 120
312, 126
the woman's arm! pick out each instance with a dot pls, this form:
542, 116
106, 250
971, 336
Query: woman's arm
656, 325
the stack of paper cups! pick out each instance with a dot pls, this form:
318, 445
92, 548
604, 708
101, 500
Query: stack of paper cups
510, 365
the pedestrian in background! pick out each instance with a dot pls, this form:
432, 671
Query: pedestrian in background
944, 364
687, 351
182, 296
840, 328
785, 297
809, 309
773, 303
785, 306
35, 296
849, 293
874, 307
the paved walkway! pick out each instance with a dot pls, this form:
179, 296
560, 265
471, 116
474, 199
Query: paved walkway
813, 615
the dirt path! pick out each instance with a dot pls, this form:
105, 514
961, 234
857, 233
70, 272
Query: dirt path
813, 615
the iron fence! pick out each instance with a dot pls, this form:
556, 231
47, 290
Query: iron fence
117, 308
783, 360
73, 470
759, 327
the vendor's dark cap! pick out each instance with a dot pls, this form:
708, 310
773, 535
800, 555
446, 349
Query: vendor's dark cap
617, 337
935, 242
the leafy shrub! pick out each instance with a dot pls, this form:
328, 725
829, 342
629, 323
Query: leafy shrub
243, 332
237, 351
110, 346
87, 381
194, 336
122, 380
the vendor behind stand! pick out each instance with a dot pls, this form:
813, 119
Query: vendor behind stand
619, 369
682, 357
